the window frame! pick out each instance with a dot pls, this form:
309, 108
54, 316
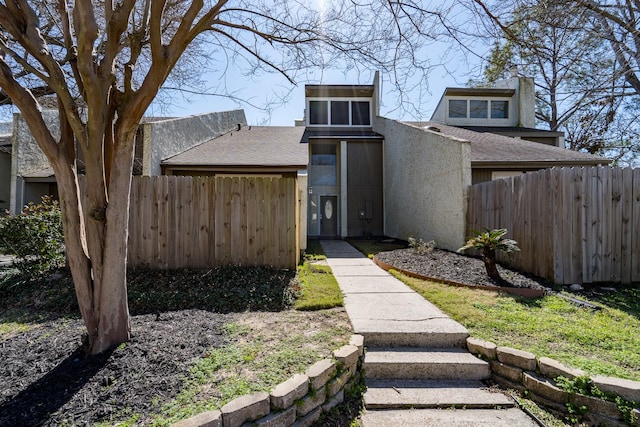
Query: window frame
329, 112
477, 120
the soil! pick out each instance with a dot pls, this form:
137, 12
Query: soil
451, 266
47, 379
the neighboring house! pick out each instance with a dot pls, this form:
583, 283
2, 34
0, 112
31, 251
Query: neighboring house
5, 166
499, 122
157, 138
358, 174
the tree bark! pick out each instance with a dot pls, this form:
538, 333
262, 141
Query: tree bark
489, 259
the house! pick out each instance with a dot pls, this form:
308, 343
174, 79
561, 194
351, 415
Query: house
357, 173
5, 166
30, 176
499, 122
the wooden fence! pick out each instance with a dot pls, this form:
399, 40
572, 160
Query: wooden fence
573, 225
182, 221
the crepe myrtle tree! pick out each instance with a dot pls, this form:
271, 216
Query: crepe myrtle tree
105, 61
488, 242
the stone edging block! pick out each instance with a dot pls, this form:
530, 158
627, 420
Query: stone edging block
358, 341
347, 356
284, 394
204, 419
628, 389
320, 372
485, 348
278, 419
311, 402
519, 358
544, 387
249, 407
554, 369
509, 372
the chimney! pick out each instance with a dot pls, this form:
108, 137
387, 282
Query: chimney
513, 70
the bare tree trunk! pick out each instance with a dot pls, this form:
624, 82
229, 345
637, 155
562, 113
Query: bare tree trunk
114, 323
489, 259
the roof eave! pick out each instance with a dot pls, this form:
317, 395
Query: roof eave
488, 164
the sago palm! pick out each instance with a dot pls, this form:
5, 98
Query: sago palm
490, 241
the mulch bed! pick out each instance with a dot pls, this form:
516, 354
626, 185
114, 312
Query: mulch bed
47, 379
458, 268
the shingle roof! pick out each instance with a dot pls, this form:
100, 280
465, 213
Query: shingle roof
250, 146
489, 148
506, 130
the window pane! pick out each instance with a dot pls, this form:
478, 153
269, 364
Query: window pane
458, 108
499, 109
319, 112
339, 112
360, 115
478, 109
323, 169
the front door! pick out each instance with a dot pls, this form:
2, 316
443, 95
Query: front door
329, 215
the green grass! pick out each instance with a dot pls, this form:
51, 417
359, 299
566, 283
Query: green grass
220, 376
603, 342
318, 287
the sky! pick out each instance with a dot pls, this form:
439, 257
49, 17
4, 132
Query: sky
259, 91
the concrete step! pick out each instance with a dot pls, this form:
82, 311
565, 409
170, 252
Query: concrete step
420, 394
447, 417
436, 333
424, 363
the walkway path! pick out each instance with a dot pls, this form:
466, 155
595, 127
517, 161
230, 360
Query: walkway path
417, 369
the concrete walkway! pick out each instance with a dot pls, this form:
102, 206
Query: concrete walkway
417, 369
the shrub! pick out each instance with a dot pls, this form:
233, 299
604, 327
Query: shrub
35, 237
420, 246
489, 241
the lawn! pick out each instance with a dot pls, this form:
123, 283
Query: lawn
603, 342
318, 288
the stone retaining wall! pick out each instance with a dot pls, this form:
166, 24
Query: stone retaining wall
297, 402
522, 371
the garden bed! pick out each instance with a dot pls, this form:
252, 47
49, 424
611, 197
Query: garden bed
460, 270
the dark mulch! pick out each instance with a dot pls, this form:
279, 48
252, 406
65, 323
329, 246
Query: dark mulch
47, 378
457, 268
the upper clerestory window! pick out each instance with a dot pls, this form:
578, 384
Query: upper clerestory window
478, 109
340, 113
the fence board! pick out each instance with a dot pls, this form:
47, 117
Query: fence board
204, 221
574, 225
626, 193
635, 255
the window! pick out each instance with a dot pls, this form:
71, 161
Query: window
499, 109
458, 108
319, 112
323, 165
478, 109
340, 113
360, 113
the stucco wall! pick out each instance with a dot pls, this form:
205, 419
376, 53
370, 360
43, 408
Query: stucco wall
167, 138
525, 96
27, 156
426, 176
5, 182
